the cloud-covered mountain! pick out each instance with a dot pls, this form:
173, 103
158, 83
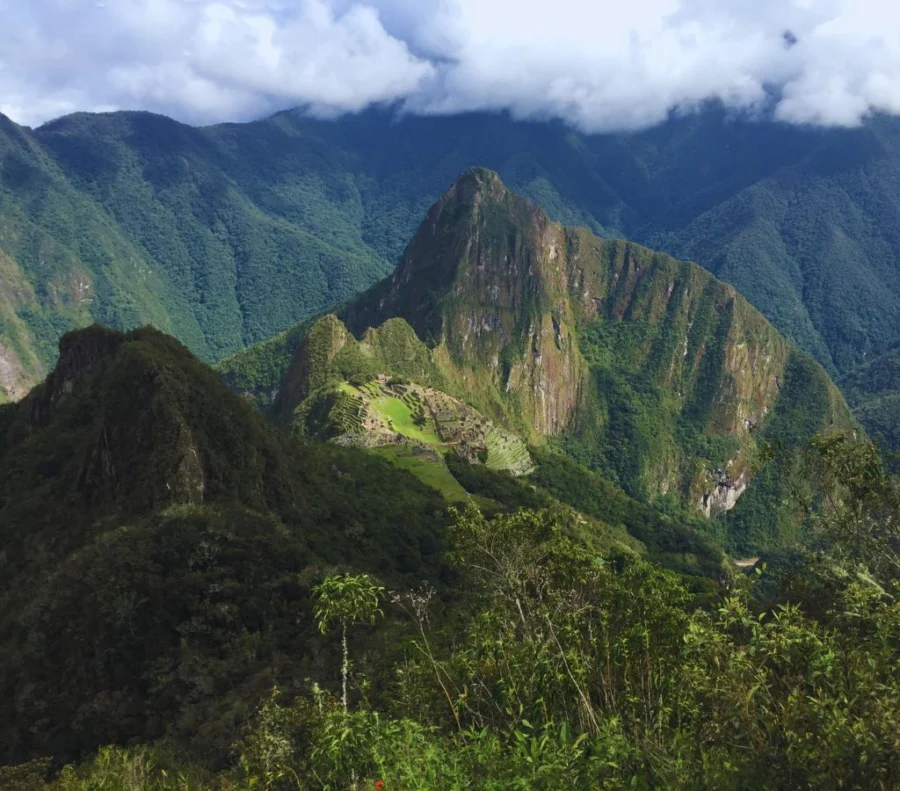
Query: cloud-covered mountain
599, 66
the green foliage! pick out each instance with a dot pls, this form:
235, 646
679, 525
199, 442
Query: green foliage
139, 769
269, 756
501, 487
760, 518
153, 529
681, 543
346, 599
555, 667
32, 776
431, 470
873, 390
851, 503
227, 235
578, 673
649, 371
257, 373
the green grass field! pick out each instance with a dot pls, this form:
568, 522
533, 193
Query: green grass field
506, 451
401, 419
432, 473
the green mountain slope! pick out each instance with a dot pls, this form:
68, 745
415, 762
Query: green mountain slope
63, 263
873, 390
158, 541
640, 367
244, 229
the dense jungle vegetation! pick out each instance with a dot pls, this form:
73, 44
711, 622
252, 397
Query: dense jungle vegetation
541, 665
194, 598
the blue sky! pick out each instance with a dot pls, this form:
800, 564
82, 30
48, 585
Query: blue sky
599, 65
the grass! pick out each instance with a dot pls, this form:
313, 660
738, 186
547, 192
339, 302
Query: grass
430, 472
401, 419
401, 411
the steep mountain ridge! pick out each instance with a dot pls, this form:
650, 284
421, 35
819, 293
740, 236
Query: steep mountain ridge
63, 263
643, 368
483, 278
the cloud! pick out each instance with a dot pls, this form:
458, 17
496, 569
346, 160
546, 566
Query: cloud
199, 61
595, 63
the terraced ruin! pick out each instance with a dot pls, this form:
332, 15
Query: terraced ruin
390, 411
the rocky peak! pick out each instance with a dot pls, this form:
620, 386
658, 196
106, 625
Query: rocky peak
641, 361
455, 253
486, 279
79, 352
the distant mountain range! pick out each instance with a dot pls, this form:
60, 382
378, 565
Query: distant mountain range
227, 235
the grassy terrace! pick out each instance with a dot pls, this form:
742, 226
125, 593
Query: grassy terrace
507, 452
401, 409
401, 414
402, 419
432, 473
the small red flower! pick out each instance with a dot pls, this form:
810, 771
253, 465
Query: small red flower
379, 784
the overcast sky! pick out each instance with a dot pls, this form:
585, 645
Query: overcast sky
597, 64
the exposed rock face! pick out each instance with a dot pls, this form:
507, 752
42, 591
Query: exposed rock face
710, 346
724, 494
13, 380
486, 277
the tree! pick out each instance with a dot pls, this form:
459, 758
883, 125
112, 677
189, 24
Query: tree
852, 501
346, 599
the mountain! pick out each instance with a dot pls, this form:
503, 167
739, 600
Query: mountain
238, 231
644, 369
63, 262
158, 541
170, 564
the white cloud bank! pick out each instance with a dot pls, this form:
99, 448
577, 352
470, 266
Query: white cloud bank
598, 64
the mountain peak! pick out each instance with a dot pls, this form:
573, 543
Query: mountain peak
497, 288
476, 182
471, 244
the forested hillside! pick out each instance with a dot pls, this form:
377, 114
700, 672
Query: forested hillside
191, 599
159, 540
873, 390
238, 231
